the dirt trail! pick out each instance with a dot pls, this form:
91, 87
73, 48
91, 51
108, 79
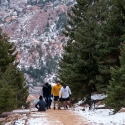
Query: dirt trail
57, 117
66, 117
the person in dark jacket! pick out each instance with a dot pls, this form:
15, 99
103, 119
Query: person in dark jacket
47, 94
41, 104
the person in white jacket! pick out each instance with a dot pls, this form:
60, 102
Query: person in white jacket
65, 94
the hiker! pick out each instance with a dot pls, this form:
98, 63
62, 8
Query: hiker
41, 104
47, 94
65, 94
55, 91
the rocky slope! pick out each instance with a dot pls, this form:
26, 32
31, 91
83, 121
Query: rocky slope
35, 26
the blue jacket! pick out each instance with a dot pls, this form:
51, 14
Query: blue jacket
41, 104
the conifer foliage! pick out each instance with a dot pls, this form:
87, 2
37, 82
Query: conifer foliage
111, 32
78, 67
13, 90
94, 30
116, 89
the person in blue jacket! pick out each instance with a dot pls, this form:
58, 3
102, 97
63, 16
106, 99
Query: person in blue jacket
41, 104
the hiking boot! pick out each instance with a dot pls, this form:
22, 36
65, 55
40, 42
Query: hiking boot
54, 108
59, 108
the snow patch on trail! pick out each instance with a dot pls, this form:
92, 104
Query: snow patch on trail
37, 121
41, 118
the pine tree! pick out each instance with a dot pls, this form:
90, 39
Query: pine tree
7, 50
110, 38
95, 30
116, 89
15, 79
78, 66
12, 80
7, 100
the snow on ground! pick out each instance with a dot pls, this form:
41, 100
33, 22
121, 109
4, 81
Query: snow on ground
98, 96
37, 119
96, 117
100, 116
24, 110
18, 122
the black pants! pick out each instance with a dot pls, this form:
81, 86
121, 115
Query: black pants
48, 101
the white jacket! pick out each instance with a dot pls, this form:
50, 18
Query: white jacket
64, 92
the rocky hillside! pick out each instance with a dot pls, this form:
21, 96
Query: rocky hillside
36, 28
